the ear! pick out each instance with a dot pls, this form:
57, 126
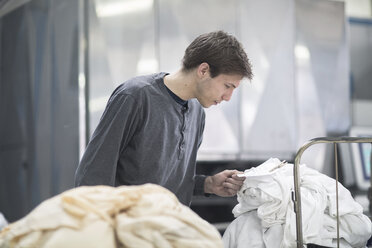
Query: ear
203, 70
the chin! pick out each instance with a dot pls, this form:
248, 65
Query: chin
204, 104
207, 105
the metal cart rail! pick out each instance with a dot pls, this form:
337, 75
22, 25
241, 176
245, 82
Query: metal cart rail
296, 173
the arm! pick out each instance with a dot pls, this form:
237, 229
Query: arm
116, 127
225, 183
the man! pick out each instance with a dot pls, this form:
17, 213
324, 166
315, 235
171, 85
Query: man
152, 126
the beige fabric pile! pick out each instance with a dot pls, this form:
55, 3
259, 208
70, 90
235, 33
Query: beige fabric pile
102, 216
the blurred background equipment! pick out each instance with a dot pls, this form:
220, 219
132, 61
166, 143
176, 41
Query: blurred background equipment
60, 61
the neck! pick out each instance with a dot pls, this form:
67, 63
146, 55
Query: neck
181, 83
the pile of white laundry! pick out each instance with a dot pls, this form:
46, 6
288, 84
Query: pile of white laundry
146, 216
265, 215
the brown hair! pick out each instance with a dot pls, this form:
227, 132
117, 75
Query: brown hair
223, 53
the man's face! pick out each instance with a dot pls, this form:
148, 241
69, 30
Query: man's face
212, 91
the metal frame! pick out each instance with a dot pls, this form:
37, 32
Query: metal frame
296, 173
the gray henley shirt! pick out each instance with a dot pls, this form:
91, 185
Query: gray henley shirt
145, 136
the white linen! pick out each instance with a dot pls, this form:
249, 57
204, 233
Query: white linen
243, 233
268, 191
146, 216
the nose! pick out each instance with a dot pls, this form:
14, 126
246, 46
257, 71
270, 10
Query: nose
227, 96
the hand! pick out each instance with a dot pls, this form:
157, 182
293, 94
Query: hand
225, 183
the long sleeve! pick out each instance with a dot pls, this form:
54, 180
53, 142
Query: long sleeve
116, 127
200, 179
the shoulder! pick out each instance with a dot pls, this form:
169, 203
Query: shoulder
136, 91
137, 85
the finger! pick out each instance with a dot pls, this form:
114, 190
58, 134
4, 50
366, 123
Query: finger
235, 181
238, 178
234, 174
231, 186
230, 173
230, 192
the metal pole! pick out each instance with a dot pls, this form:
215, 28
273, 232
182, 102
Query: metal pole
370, 187
296, 175
338, 217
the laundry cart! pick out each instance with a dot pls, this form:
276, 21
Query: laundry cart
296, 172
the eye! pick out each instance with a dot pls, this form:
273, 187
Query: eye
227, 86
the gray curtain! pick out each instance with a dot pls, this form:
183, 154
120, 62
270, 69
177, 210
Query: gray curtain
38, 103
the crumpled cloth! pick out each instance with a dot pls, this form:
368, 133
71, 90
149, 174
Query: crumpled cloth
145, 216
246, 232
267, 190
